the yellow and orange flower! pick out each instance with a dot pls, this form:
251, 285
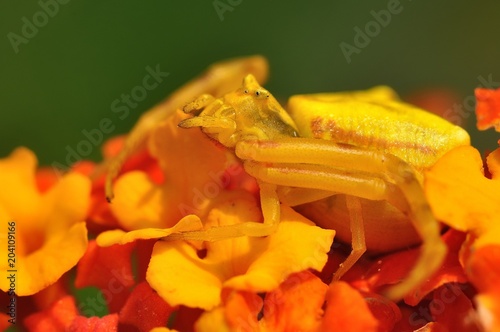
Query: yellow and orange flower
463, 198
49, 228
181, 181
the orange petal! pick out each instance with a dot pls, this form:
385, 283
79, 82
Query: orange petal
493, 161
45, 178
242, 310
488, 108
347, 310
296, 305
484, 272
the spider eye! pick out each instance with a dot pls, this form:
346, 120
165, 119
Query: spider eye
246, 91
257, 93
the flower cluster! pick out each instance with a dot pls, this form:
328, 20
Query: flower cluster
181, 181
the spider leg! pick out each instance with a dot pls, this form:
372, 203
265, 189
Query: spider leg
217, 80
271, 212
353, 171
198, 104
358, 237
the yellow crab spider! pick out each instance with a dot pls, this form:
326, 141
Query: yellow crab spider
364, 149
218, 79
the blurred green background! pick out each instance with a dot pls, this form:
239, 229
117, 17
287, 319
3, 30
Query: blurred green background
61, 78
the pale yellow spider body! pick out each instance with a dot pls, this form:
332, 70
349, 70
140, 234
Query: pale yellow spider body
350, 161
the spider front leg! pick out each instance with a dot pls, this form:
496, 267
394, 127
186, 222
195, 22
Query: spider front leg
354, 171
217, 80
197, 105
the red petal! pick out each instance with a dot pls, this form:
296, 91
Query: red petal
488, 108
109, 269
56, 318
144, 252
107, 323
4, 321
144, 310
412, 318
450, 271
385, 311
45, 178
185, 318
392, 268
433, 327
452, 308
483, 269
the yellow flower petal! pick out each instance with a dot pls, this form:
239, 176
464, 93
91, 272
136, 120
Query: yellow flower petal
187, 157
45, 266
194, 171
138, 201
109, 238
162, 329
17, 177
181, 276
285, 253
493, 161
460, 195
212, 321
50, 235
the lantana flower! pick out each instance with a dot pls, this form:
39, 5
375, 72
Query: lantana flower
462, 197
179, 181
177, 271
193, 168
49, 228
